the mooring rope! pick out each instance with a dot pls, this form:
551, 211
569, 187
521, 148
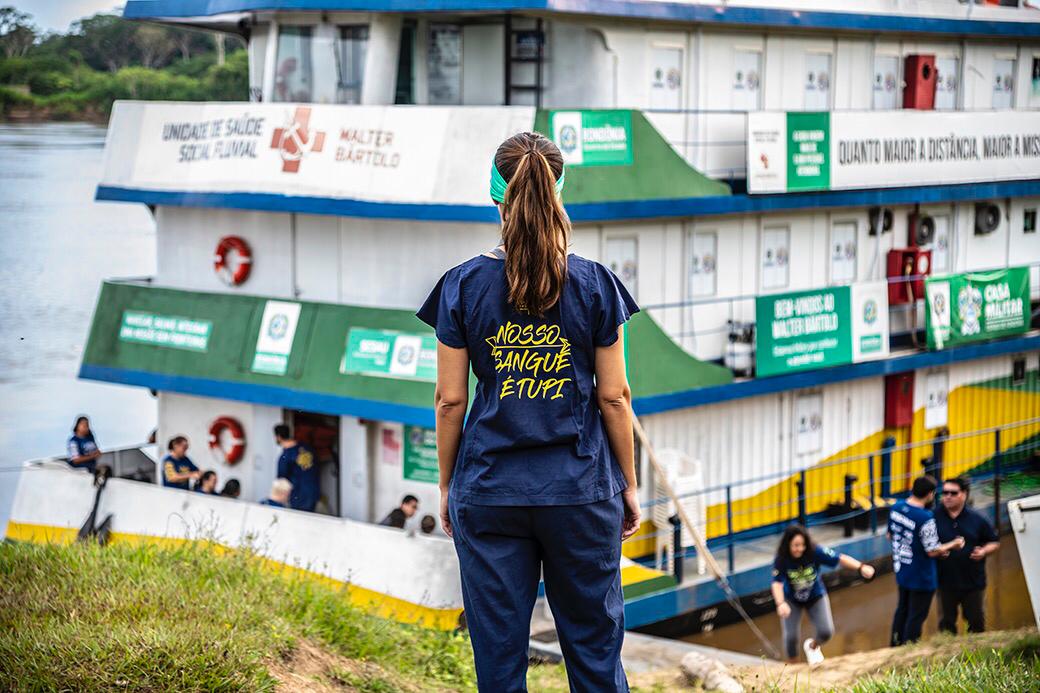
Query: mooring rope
702, 546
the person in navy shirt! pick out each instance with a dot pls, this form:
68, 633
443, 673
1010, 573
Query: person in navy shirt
83, 452
178, 469
962, 574
281, 490
540, 480
798, 586
915, 546
297, 464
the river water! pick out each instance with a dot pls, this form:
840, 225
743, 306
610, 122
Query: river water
56, 245
863, 613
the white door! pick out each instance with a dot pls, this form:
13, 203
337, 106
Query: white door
1003, 82
746, 88
843, 252
666, 78
775, 257
622, 257
818, 82
886, 82
947, 81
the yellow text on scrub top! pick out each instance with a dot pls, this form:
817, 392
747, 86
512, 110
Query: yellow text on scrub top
533, 357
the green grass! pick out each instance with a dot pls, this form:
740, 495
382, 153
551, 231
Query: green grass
146, 618
1013, 668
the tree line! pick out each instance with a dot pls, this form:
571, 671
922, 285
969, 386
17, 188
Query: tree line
78, 74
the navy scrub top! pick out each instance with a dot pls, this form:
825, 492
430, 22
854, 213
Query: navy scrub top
533, 435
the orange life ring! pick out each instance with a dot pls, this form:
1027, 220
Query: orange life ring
237, 451
223, 268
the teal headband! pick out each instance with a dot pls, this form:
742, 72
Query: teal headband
499, 185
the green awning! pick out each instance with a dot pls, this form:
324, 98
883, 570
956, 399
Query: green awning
207, 344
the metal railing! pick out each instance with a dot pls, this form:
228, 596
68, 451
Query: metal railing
134, 462
904, 317
830, 493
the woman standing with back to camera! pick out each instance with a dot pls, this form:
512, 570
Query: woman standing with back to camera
542, 479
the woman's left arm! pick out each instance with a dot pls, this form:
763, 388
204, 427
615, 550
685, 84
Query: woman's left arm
864, 569
450, 401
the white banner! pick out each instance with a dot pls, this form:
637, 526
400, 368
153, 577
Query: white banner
791, 152
407, 154
869, 307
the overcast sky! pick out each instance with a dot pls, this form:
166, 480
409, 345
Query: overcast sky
57, 15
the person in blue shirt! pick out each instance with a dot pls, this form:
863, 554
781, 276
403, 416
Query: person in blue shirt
178, 469
540, 480
281, 491
962, 574
915, 546
798, 587
298, 465
83, 452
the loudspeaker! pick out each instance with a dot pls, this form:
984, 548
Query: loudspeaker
919, 76
882, 216
922, 230
987, 218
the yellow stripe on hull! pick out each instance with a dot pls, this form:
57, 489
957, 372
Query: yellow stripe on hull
373, 602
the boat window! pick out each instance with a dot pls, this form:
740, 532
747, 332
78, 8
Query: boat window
293, 76
444, 56
350, 64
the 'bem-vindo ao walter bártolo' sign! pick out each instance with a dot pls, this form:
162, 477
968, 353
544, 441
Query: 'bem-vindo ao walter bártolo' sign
820, 328
976, 306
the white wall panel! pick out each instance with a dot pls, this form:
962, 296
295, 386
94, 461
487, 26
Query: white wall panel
187, 237
192, 416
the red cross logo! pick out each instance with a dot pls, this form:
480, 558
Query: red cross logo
292, 140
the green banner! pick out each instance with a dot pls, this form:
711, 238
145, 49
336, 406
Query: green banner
420, 454
165, 330
389, 354
803, 330
593, 138
808, 151
973, 307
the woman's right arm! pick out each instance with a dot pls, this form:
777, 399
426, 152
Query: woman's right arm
782, 608
615, 405
450, 401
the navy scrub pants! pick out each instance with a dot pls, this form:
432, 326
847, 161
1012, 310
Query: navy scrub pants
502, 550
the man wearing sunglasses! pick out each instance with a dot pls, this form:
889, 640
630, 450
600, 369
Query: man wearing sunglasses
962, 574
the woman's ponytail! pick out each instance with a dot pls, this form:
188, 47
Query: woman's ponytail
535, 229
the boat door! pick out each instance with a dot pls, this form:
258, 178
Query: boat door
320, 432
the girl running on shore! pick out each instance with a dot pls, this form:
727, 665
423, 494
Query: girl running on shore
797, 587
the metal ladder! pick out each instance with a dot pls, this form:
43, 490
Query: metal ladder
532, 39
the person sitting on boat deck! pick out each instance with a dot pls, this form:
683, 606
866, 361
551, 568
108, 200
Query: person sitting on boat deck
281, 491
82, 448
178, 469
962, 574
400, 515
232, 489
915, 546
297, 464
428, 524
798, 586
207, 483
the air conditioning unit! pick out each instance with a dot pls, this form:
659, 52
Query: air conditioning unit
907, 262
899, 400
879, 217
987, 218
919, 77
921, 229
